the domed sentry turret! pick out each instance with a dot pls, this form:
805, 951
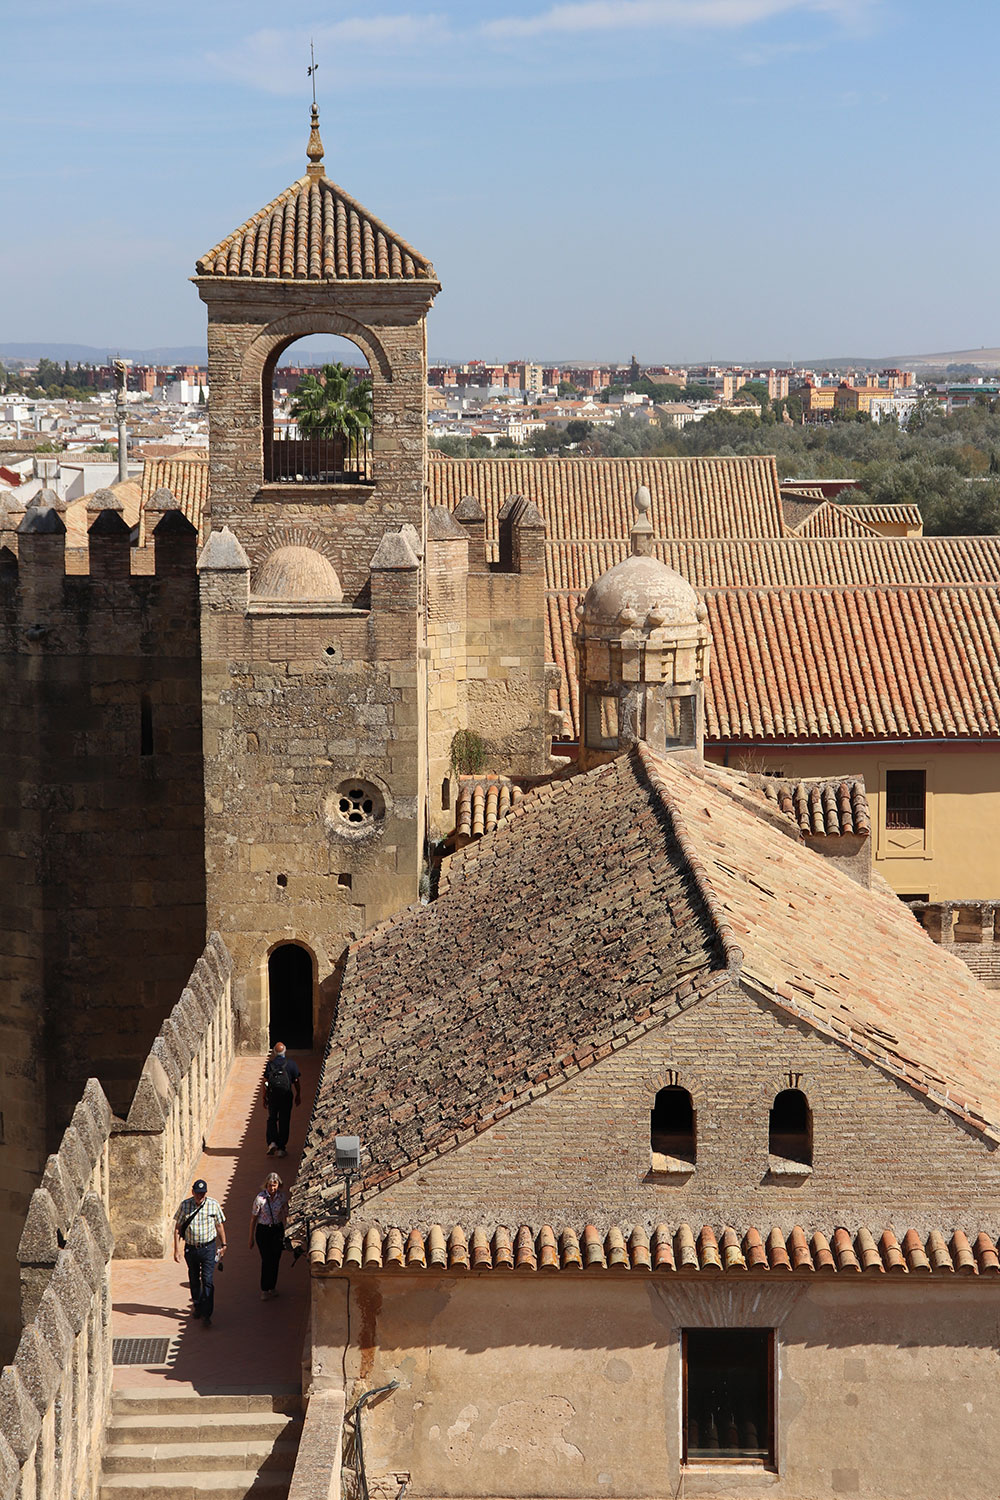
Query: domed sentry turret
643, 644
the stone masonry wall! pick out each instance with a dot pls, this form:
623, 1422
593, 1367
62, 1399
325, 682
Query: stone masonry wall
581, 1153
102, 906
297, 706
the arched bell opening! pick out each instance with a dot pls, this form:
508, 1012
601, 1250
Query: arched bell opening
317, 412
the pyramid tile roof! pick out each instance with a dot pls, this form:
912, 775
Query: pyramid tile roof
315, 231
829, 519
794, 665
674, 880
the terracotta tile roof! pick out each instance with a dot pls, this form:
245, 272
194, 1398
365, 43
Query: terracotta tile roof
314, 231
818, 806
887, 515
789, 562
793, 665
482, 803
881, 663
661, 1250
892, 998
591, 498
186, 479
458, 1012
829, 519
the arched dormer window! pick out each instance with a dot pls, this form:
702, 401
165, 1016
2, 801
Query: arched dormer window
672, 1130
789, 1134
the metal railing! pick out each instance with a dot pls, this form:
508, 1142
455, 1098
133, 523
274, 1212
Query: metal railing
332, 460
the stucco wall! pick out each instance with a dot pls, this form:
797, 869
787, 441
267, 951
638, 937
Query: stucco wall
571, 1385
960, 858
581, 1152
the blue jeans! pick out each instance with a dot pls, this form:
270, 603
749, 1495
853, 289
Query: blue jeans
201, 1277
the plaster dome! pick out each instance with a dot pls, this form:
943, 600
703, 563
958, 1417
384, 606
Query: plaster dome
298, 573
641, 591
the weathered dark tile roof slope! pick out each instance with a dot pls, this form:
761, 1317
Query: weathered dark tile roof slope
314, 231
672, 880
661, 1250
512, 980
792, 665
583, 499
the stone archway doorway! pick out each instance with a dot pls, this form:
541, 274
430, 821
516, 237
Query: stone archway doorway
290, 989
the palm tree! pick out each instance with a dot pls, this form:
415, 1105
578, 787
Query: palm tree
333, 404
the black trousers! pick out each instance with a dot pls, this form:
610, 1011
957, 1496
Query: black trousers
279, 1115
201, 1277
270, 1238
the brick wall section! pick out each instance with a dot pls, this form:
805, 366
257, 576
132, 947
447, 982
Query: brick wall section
581, 1153
102, 846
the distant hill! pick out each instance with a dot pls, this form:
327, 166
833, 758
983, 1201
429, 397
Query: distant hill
88, 354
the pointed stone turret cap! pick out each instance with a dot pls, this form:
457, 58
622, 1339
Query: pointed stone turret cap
42, 515
222, 553
103, 500
394, 553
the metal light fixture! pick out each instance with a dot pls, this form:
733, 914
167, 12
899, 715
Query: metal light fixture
347, 1149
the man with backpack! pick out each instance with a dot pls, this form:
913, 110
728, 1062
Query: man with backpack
281, 1083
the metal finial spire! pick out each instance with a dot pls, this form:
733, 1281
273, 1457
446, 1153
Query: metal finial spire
314, 150
311, 70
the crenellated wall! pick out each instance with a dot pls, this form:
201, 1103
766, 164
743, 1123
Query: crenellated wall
154, 1150
55, 1394
109, 1188
102, 891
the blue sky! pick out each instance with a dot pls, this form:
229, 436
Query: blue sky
688, 179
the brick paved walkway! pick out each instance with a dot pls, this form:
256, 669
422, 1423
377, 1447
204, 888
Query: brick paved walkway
251, 1345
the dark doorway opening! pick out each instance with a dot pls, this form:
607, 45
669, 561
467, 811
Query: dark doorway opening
290, 996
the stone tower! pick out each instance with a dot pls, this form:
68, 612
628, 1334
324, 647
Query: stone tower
313, 609
643, 643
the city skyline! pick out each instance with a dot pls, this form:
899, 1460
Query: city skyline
685, 179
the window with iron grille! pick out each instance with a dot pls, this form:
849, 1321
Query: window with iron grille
906, 799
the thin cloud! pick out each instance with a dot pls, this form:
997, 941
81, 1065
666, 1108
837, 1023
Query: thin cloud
619, 15
276, 60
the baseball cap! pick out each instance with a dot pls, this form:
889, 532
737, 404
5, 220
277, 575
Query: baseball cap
201, 1186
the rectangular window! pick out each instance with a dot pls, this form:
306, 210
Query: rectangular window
905, 799
728, 1395
602, 721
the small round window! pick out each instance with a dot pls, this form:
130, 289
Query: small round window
356, 806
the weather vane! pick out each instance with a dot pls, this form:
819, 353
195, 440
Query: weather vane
311, 70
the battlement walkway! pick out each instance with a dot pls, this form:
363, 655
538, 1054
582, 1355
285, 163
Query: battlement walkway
251, 1345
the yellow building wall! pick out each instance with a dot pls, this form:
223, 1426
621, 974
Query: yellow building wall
957, 858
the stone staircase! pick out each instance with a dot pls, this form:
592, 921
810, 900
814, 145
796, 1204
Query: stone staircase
183, 1446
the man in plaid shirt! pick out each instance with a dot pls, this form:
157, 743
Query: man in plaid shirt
198, 1225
